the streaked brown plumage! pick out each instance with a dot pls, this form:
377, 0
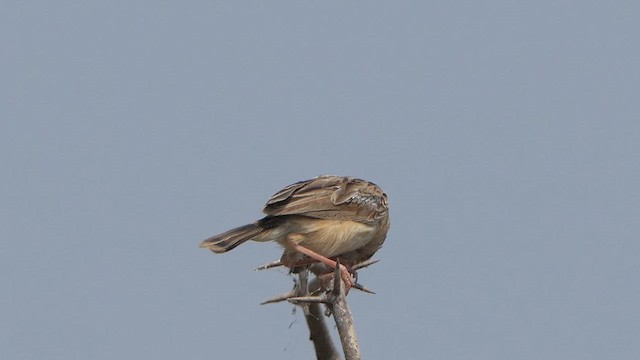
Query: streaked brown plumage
332, 216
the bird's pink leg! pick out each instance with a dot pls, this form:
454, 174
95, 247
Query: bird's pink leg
344, 272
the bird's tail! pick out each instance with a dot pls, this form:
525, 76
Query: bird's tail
232, 238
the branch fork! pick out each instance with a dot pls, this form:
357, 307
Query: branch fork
309, 296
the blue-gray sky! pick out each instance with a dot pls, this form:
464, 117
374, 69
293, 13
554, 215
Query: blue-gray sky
507, 135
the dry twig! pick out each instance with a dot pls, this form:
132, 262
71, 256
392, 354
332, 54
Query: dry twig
310, 295
336, 303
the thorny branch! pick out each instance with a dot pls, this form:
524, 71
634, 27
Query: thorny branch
309, 297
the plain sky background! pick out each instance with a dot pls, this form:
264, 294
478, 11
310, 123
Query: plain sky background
507, 135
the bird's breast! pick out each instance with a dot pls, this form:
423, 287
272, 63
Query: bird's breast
328, 237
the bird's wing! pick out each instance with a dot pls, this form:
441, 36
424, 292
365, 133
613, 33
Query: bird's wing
330, 197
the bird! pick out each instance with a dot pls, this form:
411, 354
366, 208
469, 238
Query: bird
339, 221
